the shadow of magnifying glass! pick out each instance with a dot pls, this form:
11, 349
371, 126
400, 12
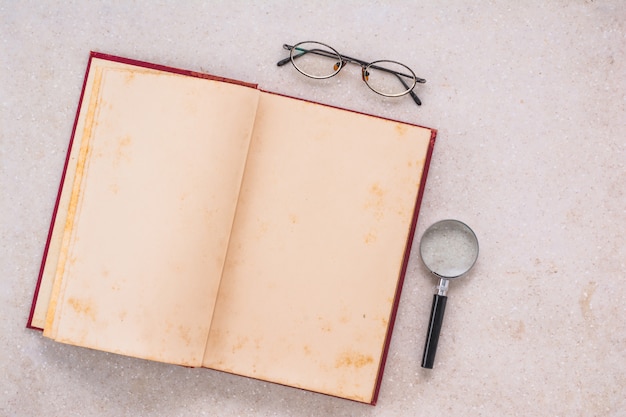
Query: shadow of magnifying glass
449, 249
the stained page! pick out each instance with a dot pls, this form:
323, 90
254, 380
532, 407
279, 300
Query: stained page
150, 214
317, 248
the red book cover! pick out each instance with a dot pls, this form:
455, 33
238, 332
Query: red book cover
310, 174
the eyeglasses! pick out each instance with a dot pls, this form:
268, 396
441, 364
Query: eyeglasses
319, 61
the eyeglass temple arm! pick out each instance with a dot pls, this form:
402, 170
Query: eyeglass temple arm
414, 96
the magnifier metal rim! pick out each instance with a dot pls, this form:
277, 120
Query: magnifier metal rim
458, 223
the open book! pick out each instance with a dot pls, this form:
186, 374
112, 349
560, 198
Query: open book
204, 222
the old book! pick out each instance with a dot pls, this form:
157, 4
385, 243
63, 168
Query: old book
205, 222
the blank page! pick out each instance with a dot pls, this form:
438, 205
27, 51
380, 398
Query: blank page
154, 197
317, 247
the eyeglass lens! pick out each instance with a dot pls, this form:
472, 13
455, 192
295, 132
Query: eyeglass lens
389, 78
315, 60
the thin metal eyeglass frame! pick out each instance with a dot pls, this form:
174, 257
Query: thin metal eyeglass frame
344, 59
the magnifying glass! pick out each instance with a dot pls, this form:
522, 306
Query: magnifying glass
449, 249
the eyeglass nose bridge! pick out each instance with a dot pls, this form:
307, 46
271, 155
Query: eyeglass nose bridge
343, 62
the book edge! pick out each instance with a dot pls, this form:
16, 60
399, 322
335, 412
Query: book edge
405, 263
57, 202
174, 70
349, 110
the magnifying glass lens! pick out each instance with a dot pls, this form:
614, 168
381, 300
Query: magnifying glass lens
449, 248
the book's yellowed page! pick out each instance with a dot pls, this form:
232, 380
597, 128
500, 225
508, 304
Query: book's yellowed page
143, 254
317, 247
68, 203
46, 283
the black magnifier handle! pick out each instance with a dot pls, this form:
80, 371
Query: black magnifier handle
434, 327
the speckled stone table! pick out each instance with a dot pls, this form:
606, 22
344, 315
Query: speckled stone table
529, 99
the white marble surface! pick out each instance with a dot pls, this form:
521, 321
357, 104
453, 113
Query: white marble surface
529, 98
